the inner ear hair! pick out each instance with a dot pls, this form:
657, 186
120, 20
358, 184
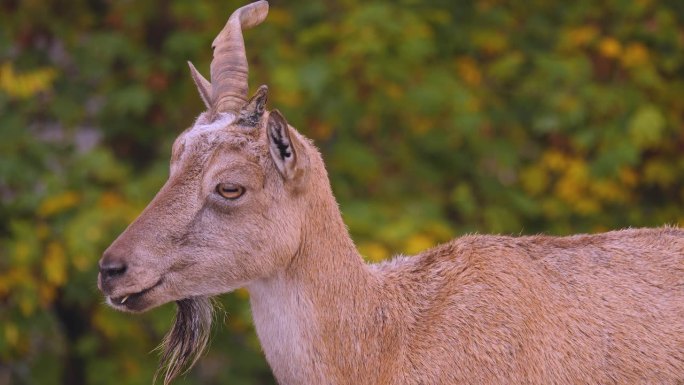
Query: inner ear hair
280, 144
279, 135
250, 115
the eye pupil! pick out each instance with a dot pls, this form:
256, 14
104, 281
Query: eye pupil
230, 190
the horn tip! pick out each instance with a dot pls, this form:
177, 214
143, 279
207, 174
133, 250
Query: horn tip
253, 14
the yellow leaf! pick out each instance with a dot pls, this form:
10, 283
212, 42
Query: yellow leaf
555, 160
568, 190
55, 204
468, 71
27, 305
110, 200
93, 234
43, 231
577, 169
237, 324
490, 41
373, 251
22, 251
393, 91
628, 176
25, 85
607, 190
571, 187
102, 323
552, 207
242, 293
580, 36
647, 125
320, 130
54, 264
5, 284
635, 55
587, 206
11, 334
660, 173
417, 243
46, 295
279, 17
420, 125
610, 47
534, 179
439, 231
131, 367
81, 262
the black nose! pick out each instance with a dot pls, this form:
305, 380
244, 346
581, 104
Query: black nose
111, 268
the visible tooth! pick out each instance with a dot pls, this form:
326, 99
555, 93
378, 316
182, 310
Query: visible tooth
124, 299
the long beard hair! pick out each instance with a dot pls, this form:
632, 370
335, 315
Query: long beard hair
188, 338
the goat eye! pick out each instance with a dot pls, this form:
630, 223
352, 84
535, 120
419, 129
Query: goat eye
230, 190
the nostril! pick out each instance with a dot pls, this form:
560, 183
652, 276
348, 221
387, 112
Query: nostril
111, 269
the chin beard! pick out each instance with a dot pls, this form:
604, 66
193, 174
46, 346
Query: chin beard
188, 338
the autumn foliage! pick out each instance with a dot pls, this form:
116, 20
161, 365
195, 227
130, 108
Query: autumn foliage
435, 119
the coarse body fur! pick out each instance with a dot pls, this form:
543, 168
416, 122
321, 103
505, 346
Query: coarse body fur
585, 309
248, 204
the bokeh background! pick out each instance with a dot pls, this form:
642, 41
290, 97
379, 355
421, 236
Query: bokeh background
436, 118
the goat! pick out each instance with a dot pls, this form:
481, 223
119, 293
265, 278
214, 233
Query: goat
248, 204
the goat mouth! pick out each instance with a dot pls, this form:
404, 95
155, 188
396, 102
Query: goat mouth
132, 301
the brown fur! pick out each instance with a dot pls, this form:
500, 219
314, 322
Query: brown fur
585, 309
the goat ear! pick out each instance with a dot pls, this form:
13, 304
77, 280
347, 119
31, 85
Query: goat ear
203, 85
251, 114
280, 145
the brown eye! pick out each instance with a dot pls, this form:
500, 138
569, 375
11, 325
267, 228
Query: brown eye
230, 190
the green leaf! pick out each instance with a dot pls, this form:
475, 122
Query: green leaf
646, 127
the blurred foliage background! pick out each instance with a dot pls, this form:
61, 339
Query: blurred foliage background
436, 118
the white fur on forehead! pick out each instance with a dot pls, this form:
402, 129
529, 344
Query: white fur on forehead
210, 134
201, 125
